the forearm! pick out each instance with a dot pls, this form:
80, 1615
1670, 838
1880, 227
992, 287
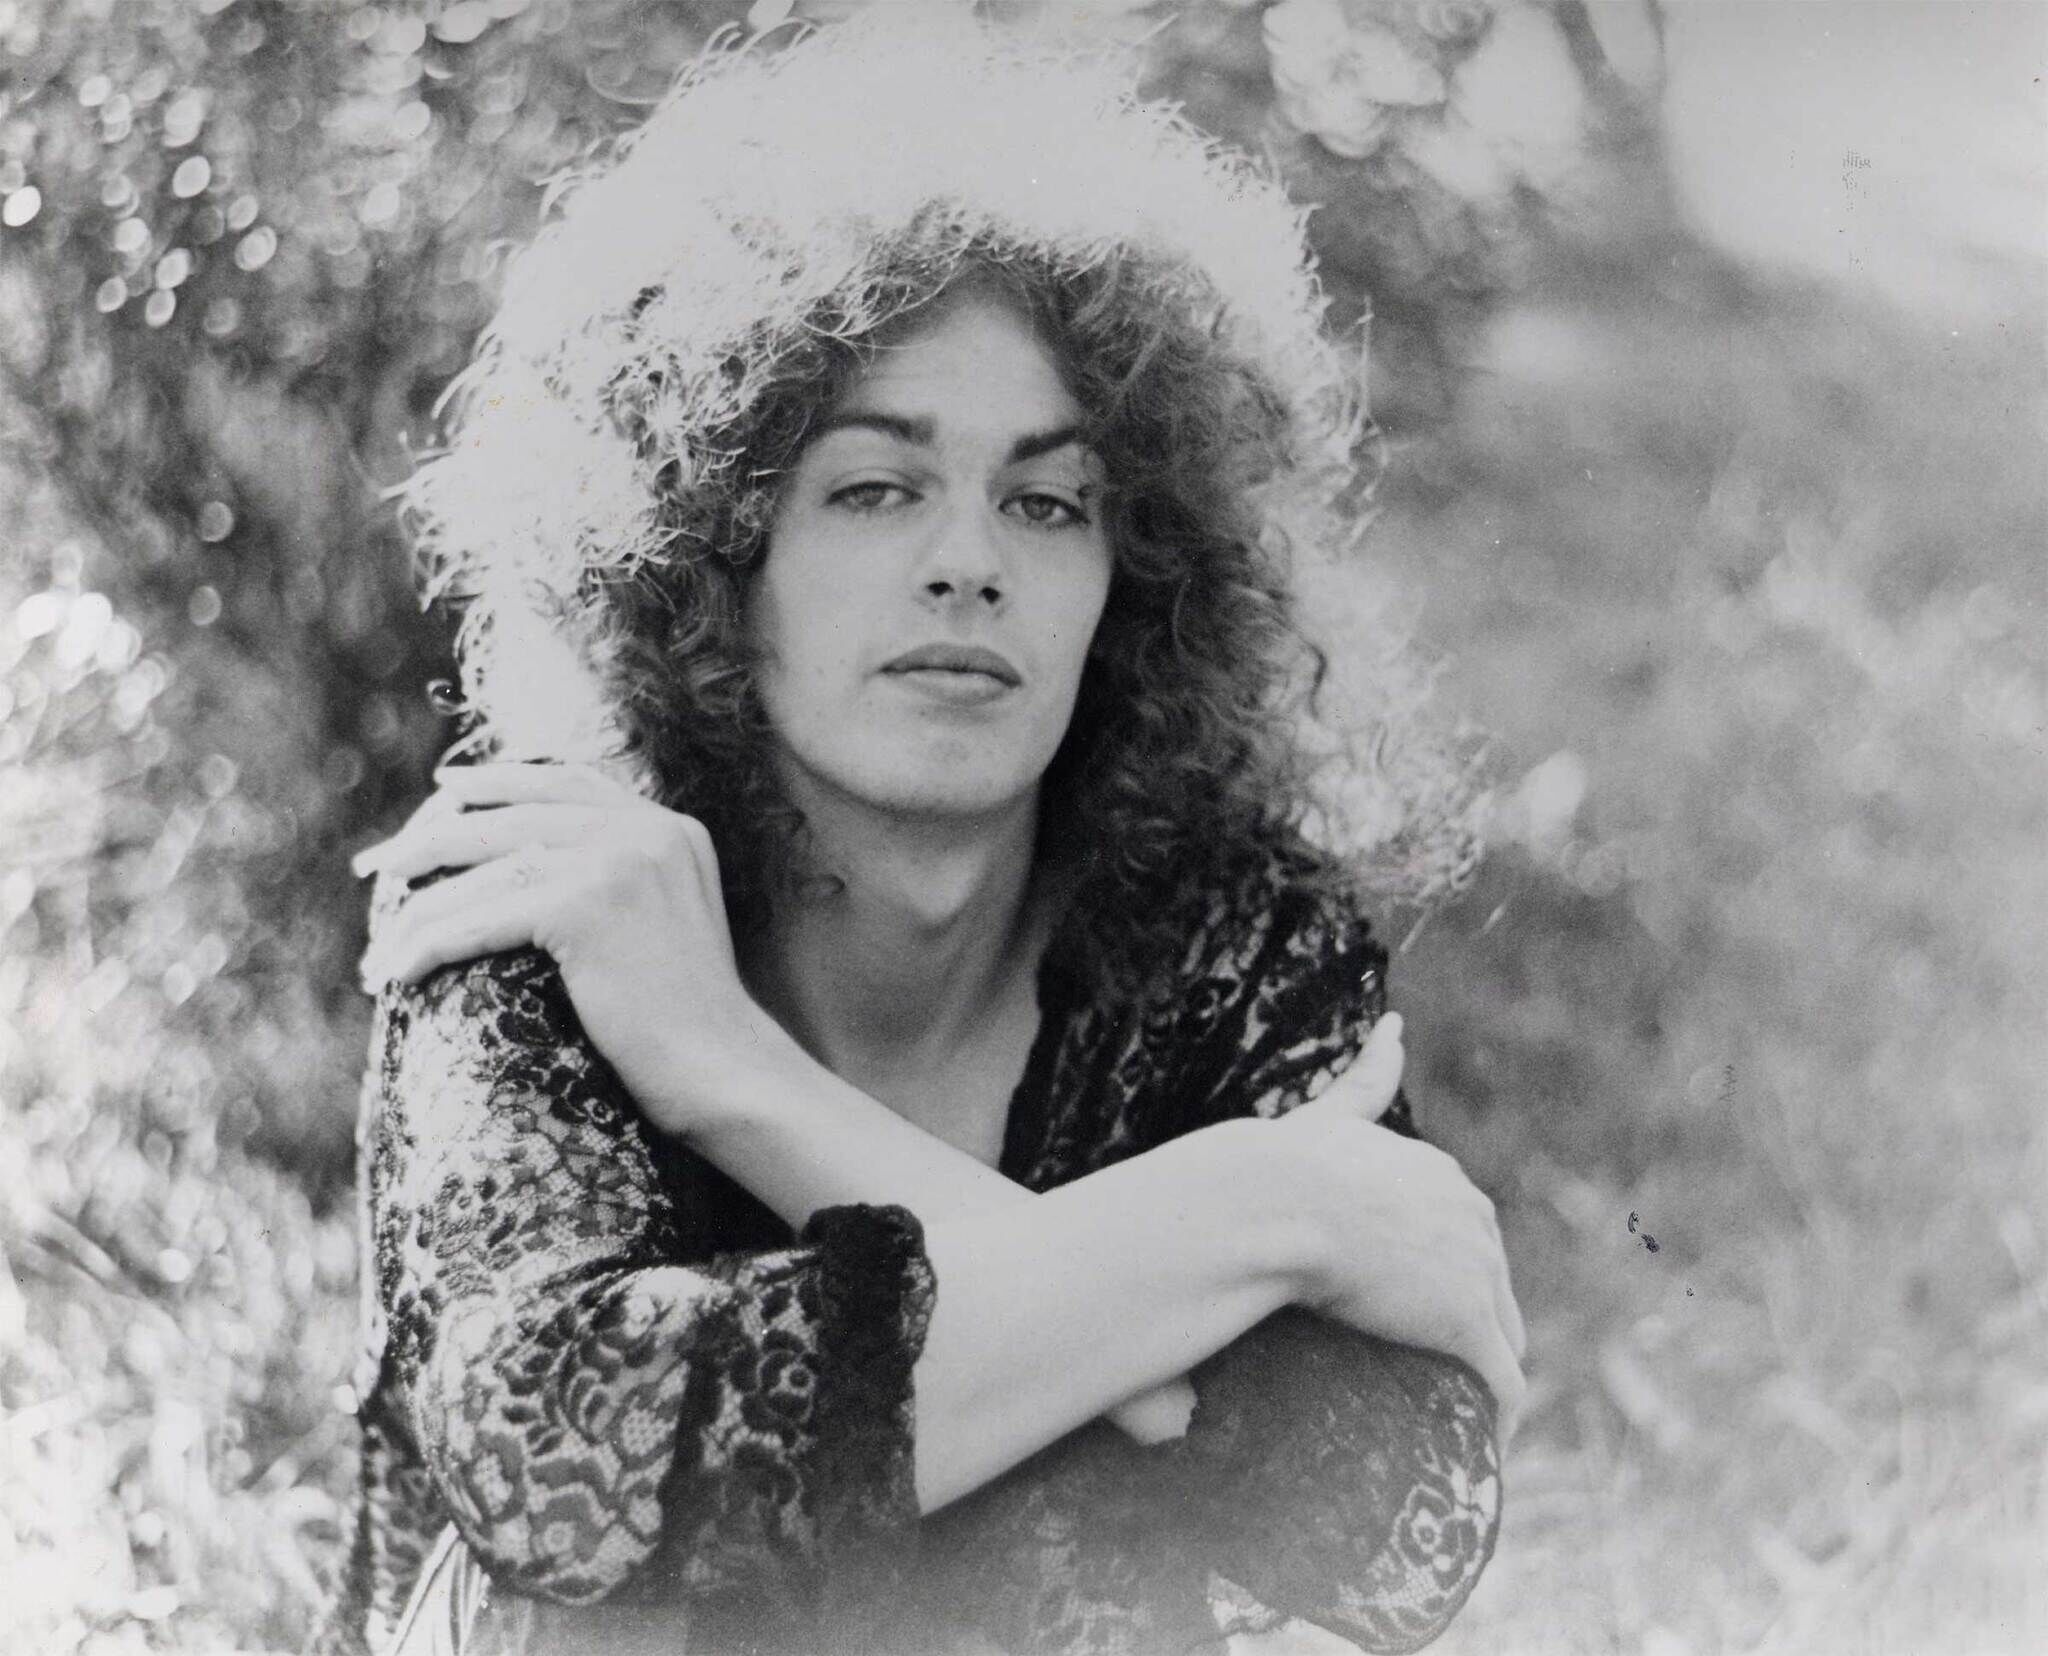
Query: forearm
800, 1139
561, 1357
1098, 1292
1051, 1309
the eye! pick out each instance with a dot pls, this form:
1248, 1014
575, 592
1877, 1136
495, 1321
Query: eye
1047, 511
871, 495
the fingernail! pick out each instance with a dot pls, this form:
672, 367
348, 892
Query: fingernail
365, 863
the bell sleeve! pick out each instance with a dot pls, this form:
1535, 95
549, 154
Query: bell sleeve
1325, 1474
1334, 1476
593, 1398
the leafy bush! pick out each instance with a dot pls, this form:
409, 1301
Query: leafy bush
1738, 579
1753, 979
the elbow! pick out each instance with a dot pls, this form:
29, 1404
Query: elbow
544, 1536
1443, 1534
1418, 1580
576, 1448
1370, 1476
551, 1508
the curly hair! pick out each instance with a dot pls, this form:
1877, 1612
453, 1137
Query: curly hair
701, 298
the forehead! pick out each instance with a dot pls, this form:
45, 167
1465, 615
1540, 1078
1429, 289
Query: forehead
973, 361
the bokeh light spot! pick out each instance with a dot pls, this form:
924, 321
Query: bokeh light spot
21, 206
257, 248
381, 205
183, 119
402, 36
217, 775
37, 614
192, 176
462, 22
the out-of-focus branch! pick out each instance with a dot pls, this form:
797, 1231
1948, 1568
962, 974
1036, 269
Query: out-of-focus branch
1621, 106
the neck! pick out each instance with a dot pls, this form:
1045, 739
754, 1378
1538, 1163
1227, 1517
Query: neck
929, 922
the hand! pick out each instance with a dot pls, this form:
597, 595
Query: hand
623, 893
1412, 1248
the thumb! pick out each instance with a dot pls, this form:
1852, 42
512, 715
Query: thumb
1366, 1090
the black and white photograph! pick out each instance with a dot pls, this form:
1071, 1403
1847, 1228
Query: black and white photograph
1023, 827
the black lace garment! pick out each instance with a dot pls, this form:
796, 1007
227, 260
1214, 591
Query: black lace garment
659, 1421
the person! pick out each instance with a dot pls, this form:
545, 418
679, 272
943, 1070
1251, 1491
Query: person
882, 1133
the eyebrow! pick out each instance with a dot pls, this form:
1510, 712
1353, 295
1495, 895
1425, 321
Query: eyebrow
920, 432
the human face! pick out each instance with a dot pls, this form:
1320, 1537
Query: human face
936, 567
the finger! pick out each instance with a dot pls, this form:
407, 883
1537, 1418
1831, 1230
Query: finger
1508, 1420
472, 837
477, 912
1389, 1059
436, 805
1503, 1376
1366, 1090
507, 782
430, 906
703, 855
1506, 1307
1510, 1310
461, 789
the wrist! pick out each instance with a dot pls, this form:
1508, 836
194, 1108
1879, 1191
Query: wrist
1266, 1185
713, 1089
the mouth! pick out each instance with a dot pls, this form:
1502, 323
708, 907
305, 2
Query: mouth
965, 660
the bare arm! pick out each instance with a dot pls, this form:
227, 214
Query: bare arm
799, 1138
1052, 1309
592, 1398
1048, 1316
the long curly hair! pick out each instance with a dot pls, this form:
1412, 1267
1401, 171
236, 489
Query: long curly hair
701, 297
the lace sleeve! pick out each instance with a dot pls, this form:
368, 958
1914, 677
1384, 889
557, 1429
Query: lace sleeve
586, 1397
1336, 1477
1325, 1475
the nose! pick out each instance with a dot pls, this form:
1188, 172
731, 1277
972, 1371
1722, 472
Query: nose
962, 566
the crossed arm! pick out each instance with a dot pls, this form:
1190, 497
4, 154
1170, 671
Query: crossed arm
1056, 1308
593, 1408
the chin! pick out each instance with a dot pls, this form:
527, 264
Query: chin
951, 796
932, 786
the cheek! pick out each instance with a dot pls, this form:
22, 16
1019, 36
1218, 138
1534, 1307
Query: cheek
800, 632
777, 620
775, 643
801, 604
1081, 615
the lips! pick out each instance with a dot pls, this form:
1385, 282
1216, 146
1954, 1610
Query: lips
955, 658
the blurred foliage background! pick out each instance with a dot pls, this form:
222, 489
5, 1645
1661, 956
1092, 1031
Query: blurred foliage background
1742, 567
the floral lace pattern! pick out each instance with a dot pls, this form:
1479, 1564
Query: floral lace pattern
629, 1389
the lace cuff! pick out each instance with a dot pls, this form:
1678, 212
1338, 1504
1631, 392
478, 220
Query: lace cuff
812, 1520
1079, 1551
1344, 1479
875, 1295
